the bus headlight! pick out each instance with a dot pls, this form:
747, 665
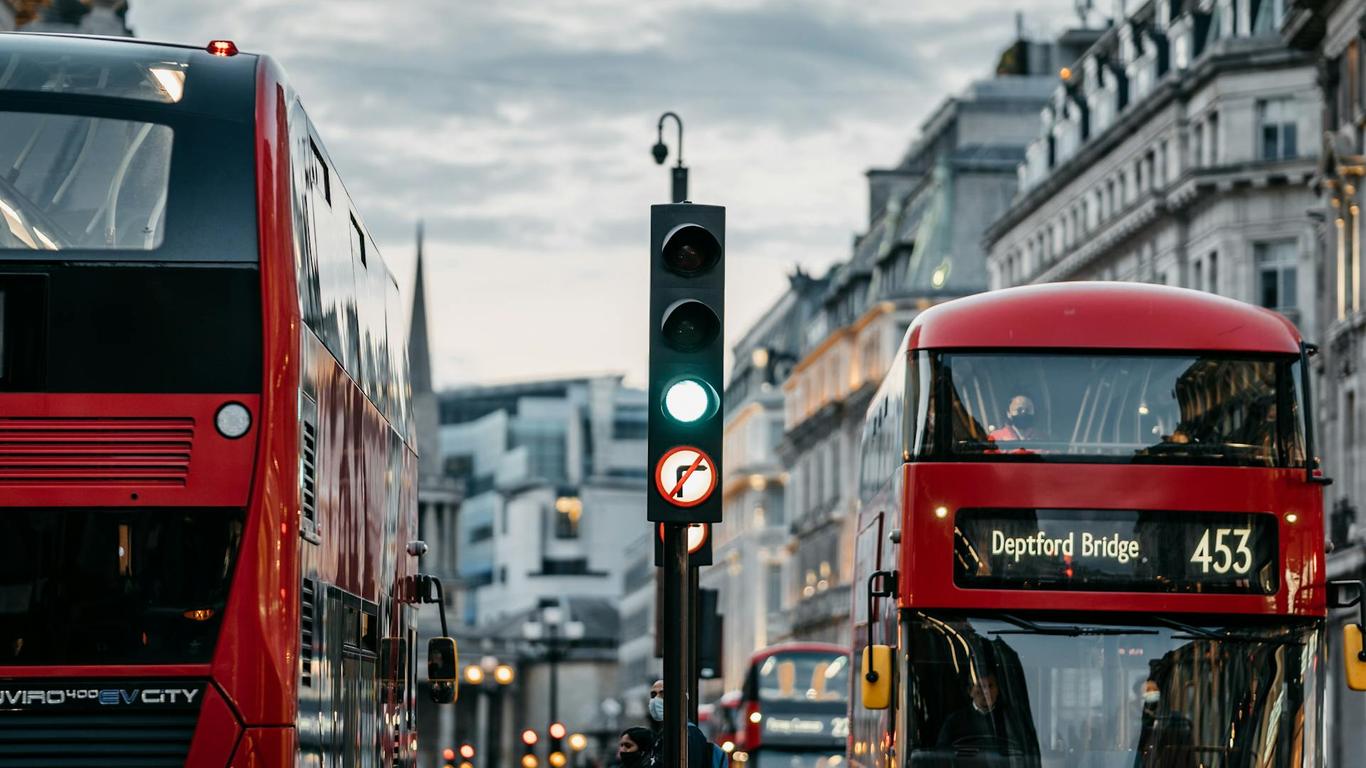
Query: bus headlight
233, 420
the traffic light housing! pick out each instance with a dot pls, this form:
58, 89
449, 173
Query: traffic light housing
687, 355
709, 634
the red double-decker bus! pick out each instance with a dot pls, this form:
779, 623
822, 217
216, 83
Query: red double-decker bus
793, 709
207, 480
1089, 536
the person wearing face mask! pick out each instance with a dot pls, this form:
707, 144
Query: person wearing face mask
701, 753
1020, 422
1166, 738
633, 747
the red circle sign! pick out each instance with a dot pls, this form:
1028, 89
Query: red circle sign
685, 476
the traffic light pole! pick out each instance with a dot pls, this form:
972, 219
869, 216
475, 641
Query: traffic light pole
679, 176
677, 645
687, 310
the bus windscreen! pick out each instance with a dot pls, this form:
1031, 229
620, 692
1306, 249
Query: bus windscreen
1009, 691
114, 586
1122, 408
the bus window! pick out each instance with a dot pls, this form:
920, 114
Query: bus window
83, 182
1152, 409
804, 676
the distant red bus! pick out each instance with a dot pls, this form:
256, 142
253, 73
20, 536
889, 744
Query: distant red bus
723, 730
1089, 535
793, 708
206, 464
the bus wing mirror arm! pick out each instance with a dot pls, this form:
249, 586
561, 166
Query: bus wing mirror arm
427, 589
876, 686
880, 584
1348, 594
1312, 472
443, 656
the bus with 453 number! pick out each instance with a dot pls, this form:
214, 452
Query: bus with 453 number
1091, 534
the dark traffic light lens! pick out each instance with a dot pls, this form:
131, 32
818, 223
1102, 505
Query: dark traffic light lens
690, 250
690, 326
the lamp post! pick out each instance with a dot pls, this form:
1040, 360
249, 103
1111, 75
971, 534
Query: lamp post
661, 152
486, 677
552, 631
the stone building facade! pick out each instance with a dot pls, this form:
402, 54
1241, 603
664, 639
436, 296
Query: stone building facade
751, 550
923, 245
1177, 151
1334, 33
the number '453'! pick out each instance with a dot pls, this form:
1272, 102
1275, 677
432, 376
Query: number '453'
1219, 556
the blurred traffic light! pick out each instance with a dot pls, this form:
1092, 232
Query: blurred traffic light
555, 748
529, 739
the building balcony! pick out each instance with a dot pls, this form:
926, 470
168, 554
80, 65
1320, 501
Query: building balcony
821, 609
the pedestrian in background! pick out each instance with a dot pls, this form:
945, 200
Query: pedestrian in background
701, 753
635, 747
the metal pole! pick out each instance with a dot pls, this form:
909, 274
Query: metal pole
677, 639
481, 725
554, 647
680, 184
693, 629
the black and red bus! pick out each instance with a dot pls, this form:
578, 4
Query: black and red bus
793, 708
1091, 533
207, 474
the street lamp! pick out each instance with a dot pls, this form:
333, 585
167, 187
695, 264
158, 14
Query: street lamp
661, 152
557, 635
486, 677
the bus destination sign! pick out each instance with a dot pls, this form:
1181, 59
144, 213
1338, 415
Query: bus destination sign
1116, 550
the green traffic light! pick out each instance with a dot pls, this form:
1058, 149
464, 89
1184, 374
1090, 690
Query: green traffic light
687, 400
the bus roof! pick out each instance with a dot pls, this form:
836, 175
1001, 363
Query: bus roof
797, 647
1102, 315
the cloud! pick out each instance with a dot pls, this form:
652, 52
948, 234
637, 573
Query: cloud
521, 132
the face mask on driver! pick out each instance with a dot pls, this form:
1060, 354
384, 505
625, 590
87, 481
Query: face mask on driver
1151, 697
657, 709
1022, 420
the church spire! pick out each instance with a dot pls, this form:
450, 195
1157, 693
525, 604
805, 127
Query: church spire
419, 354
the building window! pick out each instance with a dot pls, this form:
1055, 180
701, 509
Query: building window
1349, 440
1267, 16
1276, 274
1276, 121
1198, 276
482, 533
1198, 146
1213, 138
1213, 262
1349, 93
568, 511
774, 591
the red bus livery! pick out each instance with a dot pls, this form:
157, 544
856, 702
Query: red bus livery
793, 709
206, 462
1089, 535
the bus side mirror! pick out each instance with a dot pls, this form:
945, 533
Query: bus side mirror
876, 673
1348, 594
442, 662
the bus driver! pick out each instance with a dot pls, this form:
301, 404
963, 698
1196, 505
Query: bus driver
1019, 422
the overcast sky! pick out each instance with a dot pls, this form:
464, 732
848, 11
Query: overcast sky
520, 131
